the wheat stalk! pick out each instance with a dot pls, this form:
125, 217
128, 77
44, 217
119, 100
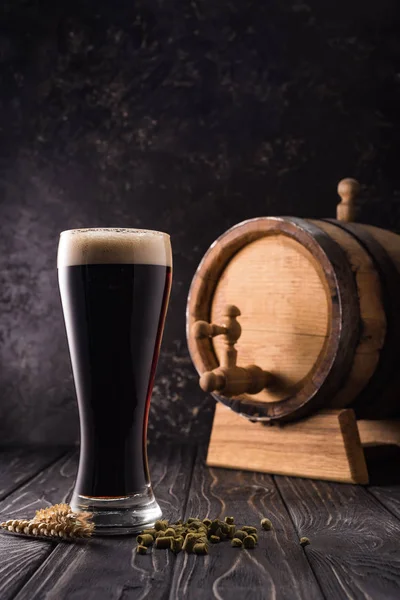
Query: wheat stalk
58, 521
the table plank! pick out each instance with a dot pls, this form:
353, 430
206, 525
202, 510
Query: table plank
384, 475
277, 568
20, 557
18, 465
354, 549
389, 496
109, 568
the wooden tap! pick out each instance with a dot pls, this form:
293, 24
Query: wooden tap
228, 378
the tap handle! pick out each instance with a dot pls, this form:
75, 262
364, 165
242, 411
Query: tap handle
230, 327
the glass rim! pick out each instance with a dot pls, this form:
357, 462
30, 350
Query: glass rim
128, 230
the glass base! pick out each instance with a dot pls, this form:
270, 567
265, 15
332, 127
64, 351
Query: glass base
119, 516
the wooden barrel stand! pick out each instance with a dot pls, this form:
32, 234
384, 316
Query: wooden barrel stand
327, 445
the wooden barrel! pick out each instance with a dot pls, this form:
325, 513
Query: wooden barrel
319, 311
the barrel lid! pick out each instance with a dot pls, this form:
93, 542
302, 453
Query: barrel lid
287, 277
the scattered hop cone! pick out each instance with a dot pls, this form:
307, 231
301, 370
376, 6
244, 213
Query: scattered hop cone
304, 541
266, 524
249, 542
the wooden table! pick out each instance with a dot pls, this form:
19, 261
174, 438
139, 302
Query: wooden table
354, 533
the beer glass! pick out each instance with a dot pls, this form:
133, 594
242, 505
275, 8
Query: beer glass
114, 286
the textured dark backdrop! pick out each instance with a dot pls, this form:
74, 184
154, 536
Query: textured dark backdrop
184, 116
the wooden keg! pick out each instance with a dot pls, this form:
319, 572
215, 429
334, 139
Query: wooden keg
313, 306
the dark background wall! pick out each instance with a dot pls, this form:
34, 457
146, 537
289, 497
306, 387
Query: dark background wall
184, 116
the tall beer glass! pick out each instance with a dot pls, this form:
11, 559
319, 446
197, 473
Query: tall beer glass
114, 286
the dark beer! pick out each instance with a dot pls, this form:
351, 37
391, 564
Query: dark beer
114, 314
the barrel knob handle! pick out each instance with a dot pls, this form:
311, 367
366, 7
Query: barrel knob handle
228, 378
210, 381
348, 190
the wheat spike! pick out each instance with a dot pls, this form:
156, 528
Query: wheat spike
58, 522
52, 513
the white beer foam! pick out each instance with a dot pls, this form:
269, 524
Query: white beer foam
111, 245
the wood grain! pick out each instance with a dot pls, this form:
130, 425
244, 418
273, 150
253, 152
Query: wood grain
354, 548
109, 568
277, 568
353, 552
388, 496
385, 248
389, 240
17, 465
284, 323
20, 556
374, 433
373, 318
323, 446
